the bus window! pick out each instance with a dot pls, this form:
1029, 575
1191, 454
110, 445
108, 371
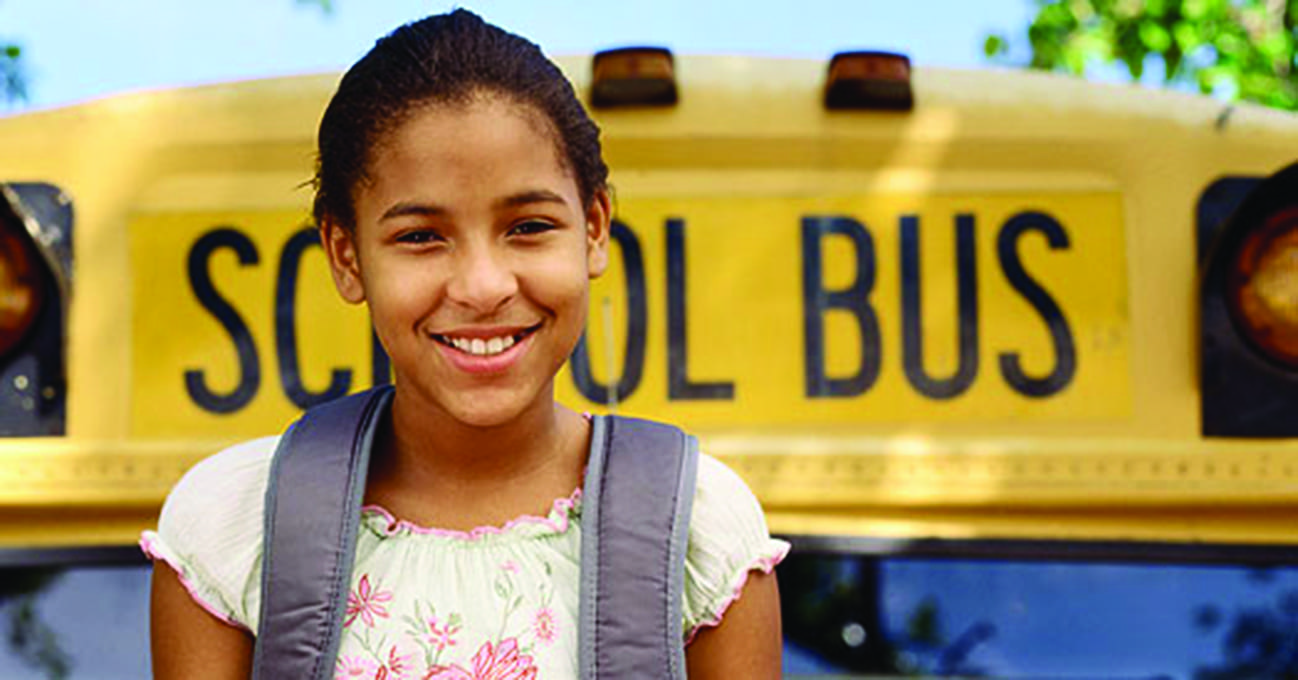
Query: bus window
845, 616
870, 615
85, 621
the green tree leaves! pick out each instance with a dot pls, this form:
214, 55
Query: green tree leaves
13, 79
29, 638
1233, 49
326, 6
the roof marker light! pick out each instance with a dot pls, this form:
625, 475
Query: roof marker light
869, 81
633, 76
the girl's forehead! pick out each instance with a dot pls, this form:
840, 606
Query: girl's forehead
480, 146
482, 116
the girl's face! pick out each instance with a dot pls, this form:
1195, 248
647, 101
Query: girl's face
475, 253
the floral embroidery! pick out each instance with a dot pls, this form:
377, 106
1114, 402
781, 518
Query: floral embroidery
349, 667
397, 667
504, 587
510, 566
366, 603
498, 662
442, 637
545, 626
433, 634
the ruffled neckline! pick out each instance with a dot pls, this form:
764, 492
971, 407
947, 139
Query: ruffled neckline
557, 521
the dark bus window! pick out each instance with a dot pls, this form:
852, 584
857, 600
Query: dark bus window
848, 616
74, 623
845, 616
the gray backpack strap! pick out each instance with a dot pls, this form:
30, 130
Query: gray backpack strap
635, 522
313, 501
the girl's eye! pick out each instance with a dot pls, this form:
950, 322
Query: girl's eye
419, 237
531, 227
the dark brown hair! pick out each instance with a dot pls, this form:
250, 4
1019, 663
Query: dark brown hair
445, 58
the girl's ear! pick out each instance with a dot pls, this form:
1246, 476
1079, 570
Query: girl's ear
340, 247
599, 216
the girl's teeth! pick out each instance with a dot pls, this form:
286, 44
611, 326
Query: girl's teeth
482, 347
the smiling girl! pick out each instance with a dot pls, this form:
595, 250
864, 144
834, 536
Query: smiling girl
462, 196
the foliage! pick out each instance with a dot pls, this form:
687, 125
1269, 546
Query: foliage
13, 81
927, 652
832, 607
326, 6
823, 598
1259, 641
27, 635
1234, 49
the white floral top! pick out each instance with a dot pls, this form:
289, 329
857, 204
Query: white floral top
495, 603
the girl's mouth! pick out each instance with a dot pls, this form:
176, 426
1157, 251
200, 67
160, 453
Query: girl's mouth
485, 346
484, 353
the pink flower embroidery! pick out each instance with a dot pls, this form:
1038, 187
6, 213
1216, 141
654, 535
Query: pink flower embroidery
510, 566
443, 636
366, 603
396, 667
545, 626
351, 667
501, 662
447, 673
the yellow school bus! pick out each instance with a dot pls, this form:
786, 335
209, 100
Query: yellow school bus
995, 320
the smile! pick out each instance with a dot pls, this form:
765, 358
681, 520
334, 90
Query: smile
484, 346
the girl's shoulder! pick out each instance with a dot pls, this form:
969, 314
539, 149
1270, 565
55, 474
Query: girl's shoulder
725, 509
210, 529
225, 488
718, 483
728, 542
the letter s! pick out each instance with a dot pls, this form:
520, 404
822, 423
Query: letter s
200, 280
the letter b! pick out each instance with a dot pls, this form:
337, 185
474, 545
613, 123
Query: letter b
854, 299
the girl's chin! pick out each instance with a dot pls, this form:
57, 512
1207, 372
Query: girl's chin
488, 410
476, 405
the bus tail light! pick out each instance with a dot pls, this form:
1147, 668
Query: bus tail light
633, 76
35, 286
1262, 287
869, 81
21, 285
1249, 307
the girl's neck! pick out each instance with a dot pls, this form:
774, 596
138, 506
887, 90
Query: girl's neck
429, 449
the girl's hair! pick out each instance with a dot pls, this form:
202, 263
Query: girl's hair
444, 59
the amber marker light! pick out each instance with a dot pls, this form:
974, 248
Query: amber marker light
869, 81
1262, 287
633, 76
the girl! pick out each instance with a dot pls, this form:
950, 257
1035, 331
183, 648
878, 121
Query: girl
461, 195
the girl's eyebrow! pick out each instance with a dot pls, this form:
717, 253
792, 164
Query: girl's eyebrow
528, 197
404, 209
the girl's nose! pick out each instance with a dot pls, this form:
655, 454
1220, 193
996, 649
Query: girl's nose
482, 280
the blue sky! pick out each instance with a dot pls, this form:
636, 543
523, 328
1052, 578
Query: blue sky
78, 49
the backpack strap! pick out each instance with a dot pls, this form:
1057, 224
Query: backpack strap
635, 522
313, 499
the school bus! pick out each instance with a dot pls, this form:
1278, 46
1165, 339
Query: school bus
957, 329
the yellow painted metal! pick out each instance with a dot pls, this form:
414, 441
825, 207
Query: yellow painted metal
745, 312
172, 333
59, 493
748, 140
